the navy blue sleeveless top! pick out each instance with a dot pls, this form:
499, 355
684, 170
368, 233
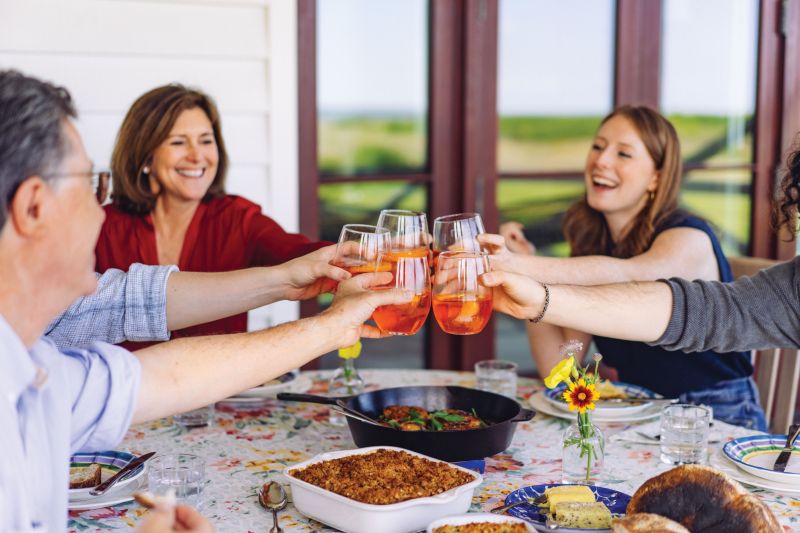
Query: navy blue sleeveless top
673, 373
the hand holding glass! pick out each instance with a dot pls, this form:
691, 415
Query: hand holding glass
461, 305
408, 229
360, 247
457, 232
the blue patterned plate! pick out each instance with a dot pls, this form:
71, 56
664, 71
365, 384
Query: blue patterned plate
110, 463
757, 454
616, 502
556, 398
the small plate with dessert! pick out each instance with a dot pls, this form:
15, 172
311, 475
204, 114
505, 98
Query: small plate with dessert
573, 508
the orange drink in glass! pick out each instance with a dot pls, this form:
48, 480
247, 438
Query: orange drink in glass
410, 271
360, 248
461, 305
457, 232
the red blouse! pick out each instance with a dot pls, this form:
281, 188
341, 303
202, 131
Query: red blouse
225, 234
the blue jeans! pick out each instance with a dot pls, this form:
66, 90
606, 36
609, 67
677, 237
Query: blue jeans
734, 401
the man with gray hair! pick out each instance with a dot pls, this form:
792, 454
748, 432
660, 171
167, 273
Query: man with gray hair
56, 401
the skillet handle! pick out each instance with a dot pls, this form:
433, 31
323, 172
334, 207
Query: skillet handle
524, 415
310, 398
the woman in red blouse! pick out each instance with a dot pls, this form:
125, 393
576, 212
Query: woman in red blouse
169, 204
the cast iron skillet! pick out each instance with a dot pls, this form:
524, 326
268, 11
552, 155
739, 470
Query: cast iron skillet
500, 412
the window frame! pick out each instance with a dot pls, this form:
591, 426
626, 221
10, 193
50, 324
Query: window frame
462, 170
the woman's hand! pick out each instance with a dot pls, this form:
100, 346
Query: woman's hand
164, 518
310, 275
515, 239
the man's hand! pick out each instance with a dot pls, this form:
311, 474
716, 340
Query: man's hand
311, 275
515, 294
515, 238
355, 302
167, 518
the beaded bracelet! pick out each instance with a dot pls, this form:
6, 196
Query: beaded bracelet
546, 303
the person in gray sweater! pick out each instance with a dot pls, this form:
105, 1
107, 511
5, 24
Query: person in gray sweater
762, 311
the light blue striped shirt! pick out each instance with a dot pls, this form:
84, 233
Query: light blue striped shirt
54, 403
126, 306
55, 400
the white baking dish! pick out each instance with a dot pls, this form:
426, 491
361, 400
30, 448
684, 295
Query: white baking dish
351, 516
472, 518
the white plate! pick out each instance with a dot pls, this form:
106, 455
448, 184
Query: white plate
554, 397
115, 496
472, 518
756, 455
539, 403
110, 462
725, 465
298, 383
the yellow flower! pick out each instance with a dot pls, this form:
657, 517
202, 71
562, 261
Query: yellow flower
560, 372
580, 395
350, 352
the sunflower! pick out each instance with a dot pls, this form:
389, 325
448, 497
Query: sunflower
580, 395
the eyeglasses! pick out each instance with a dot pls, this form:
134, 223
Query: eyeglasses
100, 181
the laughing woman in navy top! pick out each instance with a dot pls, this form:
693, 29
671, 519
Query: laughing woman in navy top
628, 228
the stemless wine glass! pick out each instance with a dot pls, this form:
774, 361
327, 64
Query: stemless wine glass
408, 229
457, 232
360, 247
407, 259
461, 305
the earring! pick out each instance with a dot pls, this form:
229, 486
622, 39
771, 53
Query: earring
146, 170
652, 195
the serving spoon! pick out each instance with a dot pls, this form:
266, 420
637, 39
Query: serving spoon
272, 497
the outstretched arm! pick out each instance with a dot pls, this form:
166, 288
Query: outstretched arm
199, 297
632, 311
190, 372
762, 311
148, 302
677, 252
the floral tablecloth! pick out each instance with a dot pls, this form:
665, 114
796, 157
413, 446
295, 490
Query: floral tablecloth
251, 443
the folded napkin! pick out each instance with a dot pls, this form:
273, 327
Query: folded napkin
637, 434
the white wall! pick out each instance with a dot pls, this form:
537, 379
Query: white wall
241, 52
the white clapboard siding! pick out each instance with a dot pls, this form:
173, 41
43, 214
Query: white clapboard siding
111, 84
98, 27
109, 52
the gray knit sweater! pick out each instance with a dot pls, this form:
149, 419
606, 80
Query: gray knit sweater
749, 313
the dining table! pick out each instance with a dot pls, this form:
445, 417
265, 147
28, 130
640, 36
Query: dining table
252, 442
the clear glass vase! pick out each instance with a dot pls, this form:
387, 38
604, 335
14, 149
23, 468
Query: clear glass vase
345, 381
583, 452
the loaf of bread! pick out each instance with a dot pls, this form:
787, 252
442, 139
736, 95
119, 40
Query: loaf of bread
82, 477
582, 515
646, 523
703, 500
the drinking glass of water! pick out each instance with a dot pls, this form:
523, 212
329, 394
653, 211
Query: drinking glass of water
183, 473
203, 416
684, 434
497, 376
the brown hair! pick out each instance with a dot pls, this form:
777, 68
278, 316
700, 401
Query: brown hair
585, 228
785, 213
146, 126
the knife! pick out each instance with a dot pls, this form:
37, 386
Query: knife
103, 487
786, 453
